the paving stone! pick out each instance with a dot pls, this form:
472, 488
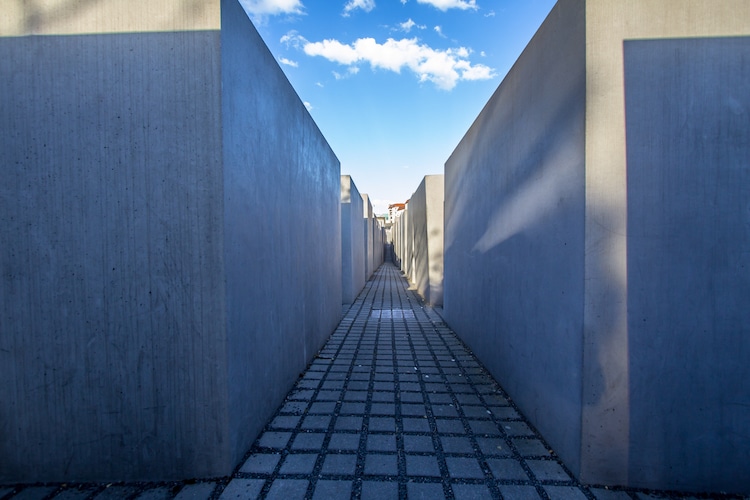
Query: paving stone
530, 447
422, 465
285, 422
425, 491
316, 422
416, 425
564, 493
239, 488
456, 444
493, 446
507, 469
486, 427
381, 442
461, 467
298, 463
418, 444
547, 470
382, 424
261, 463
518, 492
348, 423
196, 491
383, 409
308, 441
444, 411
517, 429
332, 490
159, 493
377, 490
349, 408
339, 464
471, 492
322, 407
376, 464
450, 426
275, 440
287, 489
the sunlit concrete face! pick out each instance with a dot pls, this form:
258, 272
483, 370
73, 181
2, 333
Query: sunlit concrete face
426, 209
170, 263
565, 228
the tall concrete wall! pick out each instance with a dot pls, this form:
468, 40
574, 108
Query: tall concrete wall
148, 325
426, 211
352, 241
368, 231
605, 299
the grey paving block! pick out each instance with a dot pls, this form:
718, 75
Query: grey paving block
332, 490
242, 489
308, 441
517, 429
383, 408
288, 489
381, 442
530, 447
462, 467
112, 492
444, 411
285, 421
416, 425
73, 493
485, 427
548, 470
564, 493
197, 491
422, 465
261, 463
493, 446
322, 407
425, 491
379, 490
471, 492
275, 440
316, 422
339, 464
445, 426
519, 492
349, 408
327, 395
456, 444
382, 424
377, 464
418, 444
298, 463
507, 469
348, 423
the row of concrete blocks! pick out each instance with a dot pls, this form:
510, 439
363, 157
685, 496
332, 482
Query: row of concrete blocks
362, 240
417, 237
171, 249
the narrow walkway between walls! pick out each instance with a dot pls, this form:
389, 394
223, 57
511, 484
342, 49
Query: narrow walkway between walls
394, 406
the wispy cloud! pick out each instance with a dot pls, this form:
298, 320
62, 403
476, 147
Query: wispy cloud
288, 62
490, 14
259, 9
407, 25
439, 31
445, 5
366, 5
308, 105
444, 68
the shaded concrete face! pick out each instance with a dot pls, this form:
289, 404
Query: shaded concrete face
352, 242
514, 231
427, 222
688, 259
149, 327
620, 261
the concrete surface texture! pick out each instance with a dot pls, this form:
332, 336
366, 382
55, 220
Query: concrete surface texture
352, 240
426, 239
612, 295
149, 327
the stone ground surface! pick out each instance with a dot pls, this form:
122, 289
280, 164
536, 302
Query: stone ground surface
394, 406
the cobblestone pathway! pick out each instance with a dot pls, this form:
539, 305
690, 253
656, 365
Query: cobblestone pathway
394, 406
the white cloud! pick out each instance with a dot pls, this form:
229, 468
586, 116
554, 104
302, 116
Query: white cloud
407, 25
293, 39
451, 4
439, 31
366, 5
288, 62
308, 105
444, 68
262, 8
490, 14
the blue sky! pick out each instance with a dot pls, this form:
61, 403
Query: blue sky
395, 84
